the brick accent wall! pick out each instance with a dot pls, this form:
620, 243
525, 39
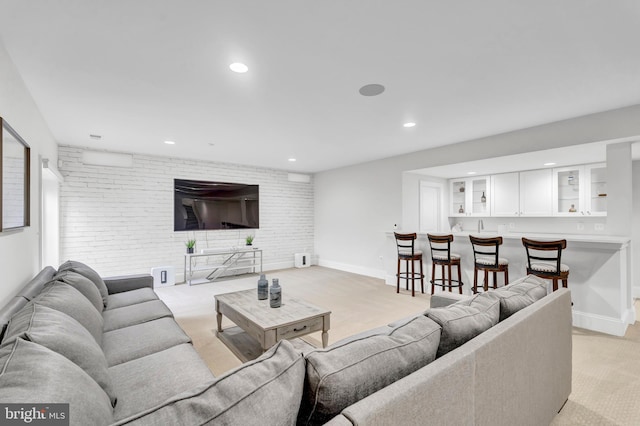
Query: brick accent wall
119, 220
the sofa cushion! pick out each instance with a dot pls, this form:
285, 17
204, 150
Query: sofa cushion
132, 297
266, 391
59, 332
84, 285
345, 373
145, 382
64, 298
82, 269
136, 341
135, 314
31, 373
465, 319
519, 295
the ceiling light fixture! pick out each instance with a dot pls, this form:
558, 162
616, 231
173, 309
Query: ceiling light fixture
239, 67
471, 173
409, 124
292, 160
170, 142
549, 164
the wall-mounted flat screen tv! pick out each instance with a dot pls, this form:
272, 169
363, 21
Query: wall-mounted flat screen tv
203, 205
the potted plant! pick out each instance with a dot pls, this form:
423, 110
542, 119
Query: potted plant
249, 240
190, 245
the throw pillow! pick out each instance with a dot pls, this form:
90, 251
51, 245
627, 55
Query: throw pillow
520, 295
31, 373
84, 285
465, 319
64, 298
345, 373
82, 269
62, 334
266, 391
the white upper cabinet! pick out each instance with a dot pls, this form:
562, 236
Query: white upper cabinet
580, 190
595, 195
568, 191
505, 194
469, 196
535, 192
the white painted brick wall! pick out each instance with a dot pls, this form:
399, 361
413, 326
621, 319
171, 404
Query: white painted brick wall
119, 220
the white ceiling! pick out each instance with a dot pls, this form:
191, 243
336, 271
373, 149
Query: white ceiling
139, 72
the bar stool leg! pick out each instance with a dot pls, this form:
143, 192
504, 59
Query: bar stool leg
495, 279
564, 283
475, 280
421, 278
485, 285
449, 269
433, 278
413, 279
555, 284
398, 278
459, 279
506, 276
406, 268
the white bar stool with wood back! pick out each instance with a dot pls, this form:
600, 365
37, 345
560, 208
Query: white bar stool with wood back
544, 260
486, 257
441, 255
407, 251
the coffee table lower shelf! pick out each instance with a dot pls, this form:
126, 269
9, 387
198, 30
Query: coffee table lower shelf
245, 347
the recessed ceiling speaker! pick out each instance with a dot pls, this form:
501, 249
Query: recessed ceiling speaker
371, 89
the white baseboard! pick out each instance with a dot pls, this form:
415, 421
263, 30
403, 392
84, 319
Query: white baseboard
369, 272
608, 325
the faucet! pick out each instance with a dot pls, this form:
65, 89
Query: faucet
480, 225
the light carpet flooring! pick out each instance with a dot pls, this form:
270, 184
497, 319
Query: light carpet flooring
606, 369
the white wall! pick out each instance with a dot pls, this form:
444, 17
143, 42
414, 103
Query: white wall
635, 232
351, 235
19, 250
119, 220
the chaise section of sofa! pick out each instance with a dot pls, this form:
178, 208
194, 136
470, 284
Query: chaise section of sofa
515, 372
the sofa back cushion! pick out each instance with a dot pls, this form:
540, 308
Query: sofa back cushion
347, 372
465, 319
84, 285
64, 298
59, 332
520, 294
82, 269
265, 391
31, 373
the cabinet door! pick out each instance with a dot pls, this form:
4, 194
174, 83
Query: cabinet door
458, 194
536, 192
595, 198
505, 194
568, 191
479, 201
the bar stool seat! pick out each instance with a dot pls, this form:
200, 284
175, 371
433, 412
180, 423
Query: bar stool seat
441, 255
486, 255
407, 252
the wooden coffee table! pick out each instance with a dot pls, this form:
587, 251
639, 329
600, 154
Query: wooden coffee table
259, 326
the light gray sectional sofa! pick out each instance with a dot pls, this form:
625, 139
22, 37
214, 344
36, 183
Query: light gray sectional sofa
112, 350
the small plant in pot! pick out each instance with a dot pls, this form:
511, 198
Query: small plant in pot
191, 244
249, 240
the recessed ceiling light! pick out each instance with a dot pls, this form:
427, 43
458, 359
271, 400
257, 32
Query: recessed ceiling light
371, 89
472, 173
409, 124
239, 67
170, 142
292, 160
549, 164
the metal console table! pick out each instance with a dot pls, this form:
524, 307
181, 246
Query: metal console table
231, 260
